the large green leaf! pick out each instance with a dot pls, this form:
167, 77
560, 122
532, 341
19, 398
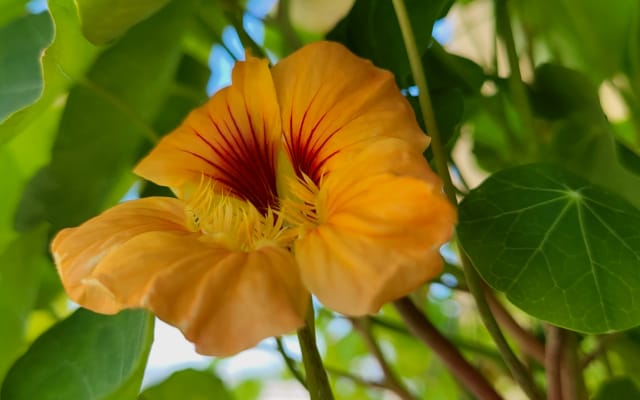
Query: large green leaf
106, 20
87, 356
20, 269
562, 249
21, 77
372, 31
106, 121
188, 384
64, 62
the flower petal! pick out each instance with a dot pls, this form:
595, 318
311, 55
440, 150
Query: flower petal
78, 251
378, 239
333, 102
233, 139
224, 301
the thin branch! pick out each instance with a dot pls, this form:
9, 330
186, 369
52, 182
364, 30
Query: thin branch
422, 328
362, 326
525, 340
553, 361
290, 363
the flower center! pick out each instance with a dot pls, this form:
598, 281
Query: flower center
235, 223
300, 209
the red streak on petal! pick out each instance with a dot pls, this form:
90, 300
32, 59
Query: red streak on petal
242, 161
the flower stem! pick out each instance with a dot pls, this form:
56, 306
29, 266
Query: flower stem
316, 376
516, 367
422, 328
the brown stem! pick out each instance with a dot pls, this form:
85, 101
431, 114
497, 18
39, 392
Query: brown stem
362, 325
553, 362
422, 328
573, 387
525, 340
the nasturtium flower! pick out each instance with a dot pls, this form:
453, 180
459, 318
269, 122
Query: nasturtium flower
306, 178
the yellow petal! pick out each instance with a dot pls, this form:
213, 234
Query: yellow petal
333, 103
223, 301
78, 251
232, 139
378, 240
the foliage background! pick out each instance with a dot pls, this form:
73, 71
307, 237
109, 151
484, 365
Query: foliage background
87, 87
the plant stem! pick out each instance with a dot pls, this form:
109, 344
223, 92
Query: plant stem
362, 325
422, 328
290, 363
553, 362
317, 381
518, 370
518, 89
525, 340
283, 19
573, 387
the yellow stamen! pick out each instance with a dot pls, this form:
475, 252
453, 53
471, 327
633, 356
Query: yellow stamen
233, 222
301, 208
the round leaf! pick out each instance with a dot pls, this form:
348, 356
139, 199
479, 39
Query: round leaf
562, 249
87, 356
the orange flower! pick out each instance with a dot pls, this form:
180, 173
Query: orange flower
308, 177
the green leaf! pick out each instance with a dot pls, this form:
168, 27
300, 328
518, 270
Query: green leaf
115, 103
87, 356
20, 61
581, 138
562, 249
21, 266
11, 10
591, 35
618, 388
106, 20
188, 384
64, 62
371, 31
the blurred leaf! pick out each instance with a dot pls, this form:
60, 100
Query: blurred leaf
20, 57
447, 71
20, 269
106, 20
248, 390
123, 91
188, 384
580, 137
448, 107
86, 356
11, 10
628, 158
494, 123
371, 31
63, 63
562, 249
591, 35
618, 388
